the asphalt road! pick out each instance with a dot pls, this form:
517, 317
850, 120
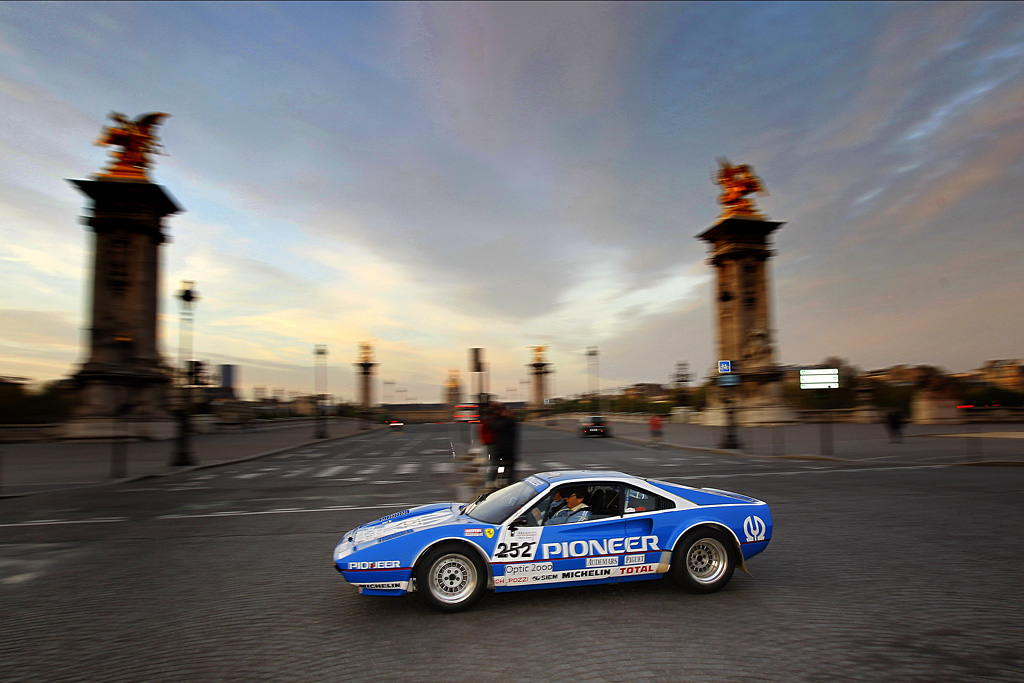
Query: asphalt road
875, 572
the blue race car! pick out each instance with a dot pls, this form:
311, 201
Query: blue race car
553, 529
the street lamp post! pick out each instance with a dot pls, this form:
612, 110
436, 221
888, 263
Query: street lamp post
592, 354
730, 439
188, 297
320, 388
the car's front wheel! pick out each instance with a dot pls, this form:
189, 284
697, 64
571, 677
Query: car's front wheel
450, 577
703, 560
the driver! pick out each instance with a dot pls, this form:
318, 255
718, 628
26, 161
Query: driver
575, 509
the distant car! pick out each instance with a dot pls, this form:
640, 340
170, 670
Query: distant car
395, 425
595, 425
466, 413
637, 529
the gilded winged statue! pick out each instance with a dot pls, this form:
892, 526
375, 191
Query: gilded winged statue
137, 141
737, 182
365, 352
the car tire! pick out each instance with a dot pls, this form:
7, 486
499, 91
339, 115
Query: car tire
703, 560
450, 577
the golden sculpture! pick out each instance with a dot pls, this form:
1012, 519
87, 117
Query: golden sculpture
365, 352
538, 354
137, 141
737, 182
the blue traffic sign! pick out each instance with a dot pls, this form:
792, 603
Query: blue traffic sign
725, 366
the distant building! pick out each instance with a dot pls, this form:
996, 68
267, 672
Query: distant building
1005, 374
226, 388
646, 390
898, 374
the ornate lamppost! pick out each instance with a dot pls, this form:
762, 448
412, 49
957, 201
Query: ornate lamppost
320, 388
188, 297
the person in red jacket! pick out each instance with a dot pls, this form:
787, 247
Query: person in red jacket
654, 424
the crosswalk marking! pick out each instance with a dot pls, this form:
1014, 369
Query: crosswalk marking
443, 467
296, 473
372, 469
331, 471
407, 468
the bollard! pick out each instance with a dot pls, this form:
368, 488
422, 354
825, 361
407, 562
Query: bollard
119, 458
826, 435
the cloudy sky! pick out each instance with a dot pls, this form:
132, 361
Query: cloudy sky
434, 177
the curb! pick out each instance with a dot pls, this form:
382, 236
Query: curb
182, 470
796, 456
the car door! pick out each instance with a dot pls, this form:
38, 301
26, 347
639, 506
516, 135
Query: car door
647, 528
582, 552
539, 556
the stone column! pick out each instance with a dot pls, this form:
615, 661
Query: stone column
739, 253
122, 384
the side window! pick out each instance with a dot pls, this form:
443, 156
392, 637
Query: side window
605, 500
638, 501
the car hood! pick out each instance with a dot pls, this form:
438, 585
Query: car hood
404, 522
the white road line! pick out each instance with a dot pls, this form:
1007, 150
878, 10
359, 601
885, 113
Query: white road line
332, 508
798, 472
407, 468
249, 475
48, 522
331, 471
372, 469
443, 467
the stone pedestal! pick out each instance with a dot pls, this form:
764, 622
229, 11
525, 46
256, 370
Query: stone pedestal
757, 401
929, 408
122, 384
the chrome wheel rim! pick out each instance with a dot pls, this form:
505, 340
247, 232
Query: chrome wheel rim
453, 578
707, 561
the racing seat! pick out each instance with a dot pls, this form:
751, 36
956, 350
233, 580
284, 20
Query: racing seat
596, 504
612, 507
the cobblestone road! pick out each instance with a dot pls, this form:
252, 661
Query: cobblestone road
908, 574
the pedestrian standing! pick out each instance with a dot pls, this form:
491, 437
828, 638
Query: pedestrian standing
654, 424
486, 436
894, 422
506, 443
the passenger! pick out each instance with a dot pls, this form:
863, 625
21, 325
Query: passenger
575, 509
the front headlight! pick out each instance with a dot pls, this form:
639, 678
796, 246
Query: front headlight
345, 547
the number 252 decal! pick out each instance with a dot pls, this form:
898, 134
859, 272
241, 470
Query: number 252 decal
514, 549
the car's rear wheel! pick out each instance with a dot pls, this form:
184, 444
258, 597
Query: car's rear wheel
703, 561
450, 577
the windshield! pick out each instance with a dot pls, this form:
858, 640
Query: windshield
496, 507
